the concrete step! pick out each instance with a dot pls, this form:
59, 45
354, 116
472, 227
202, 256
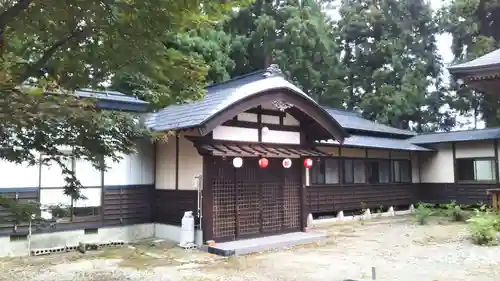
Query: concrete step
255, 245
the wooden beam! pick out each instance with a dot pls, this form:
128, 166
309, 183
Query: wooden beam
177, 161
455, 174
261, 111
497, 173
208, 200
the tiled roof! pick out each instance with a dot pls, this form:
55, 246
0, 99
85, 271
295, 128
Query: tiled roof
108, 96
382, 143
353, 121
217, 98
487, 61
456, 136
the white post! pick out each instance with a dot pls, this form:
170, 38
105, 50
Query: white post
340, 215
309, 220
367, 213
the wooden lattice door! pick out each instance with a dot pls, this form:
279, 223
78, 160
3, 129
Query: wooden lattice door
222, 178
250, 201
271, 186
291, 196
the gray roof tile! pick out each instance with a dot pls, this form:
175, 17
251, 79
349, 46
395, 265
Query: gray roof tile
456, 136
108, 96
489, 60
217, 98
381, 143
220, 96
353, 121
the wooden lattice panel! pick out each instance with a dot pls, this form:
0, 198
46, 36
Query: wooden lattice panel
291, 191
248, 201
272, 197
224, 208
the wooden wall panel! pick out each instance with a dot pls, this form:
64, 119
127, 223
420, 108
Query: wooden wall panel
170, 205
336, 198
7, 219
122, 205
462, 193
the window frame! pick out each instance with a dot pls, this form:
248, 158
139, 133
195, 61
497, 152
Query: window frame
341, 166
97, 211
393, 171
474, 159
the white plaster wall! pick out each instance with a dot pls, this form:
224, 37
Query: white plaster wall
379, 153
247, 117
190, 164
235, 134
353, 152
400, 154
290, 121
72, 238
132, 169
18, 175
165, 164
437, 167
284, 137
475, 149
333, 151
270, 119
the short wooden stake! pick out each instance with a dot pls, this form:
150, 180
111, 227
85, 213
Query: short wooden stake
374, 274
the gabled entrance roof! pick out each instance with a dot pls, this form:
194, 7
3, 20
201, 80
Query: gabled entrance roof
224, 100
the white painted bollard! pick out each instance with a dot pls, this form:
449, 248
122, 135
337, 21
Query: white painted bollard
412, 208
340, 215
309, 220
367, 214
391, 211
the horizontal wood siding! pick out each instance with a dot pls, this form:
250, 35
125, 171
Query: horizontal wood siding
334, 198
127, 205
122, 205
7, 219
462, 193
170, 205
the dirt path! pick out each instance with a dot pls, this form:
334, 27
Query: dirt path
398, 250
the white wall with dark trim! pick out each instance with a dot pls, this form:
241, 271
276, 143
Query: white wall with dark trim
134, 169
439, 166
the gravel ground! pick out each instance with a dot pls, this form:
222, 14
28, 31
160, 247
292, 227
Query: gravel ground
398, 249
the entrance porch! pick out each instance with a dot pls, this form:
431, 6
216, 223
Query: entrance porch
250, 201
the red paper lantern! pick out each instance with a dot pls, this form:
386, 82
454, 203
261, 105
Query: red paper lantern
287, 163
263, 162
308, 162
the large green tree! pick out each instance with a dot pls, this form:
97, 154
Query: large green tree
393, 65
475, 27
201, 54
296, 35
57, 46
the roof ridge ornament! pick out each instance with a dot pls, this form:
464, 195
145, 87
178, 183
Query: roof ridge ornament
273, 70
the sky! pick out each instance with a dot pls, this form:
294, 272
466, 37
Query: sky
444, 42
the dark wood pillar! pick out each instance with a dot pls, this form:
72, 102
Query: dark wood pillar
207, 200
496, 161
304, 210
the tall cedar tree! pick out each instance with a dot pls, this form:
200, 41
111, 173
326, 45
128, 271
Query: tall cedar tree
393, 65
475, 27
56, 45
296, 35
